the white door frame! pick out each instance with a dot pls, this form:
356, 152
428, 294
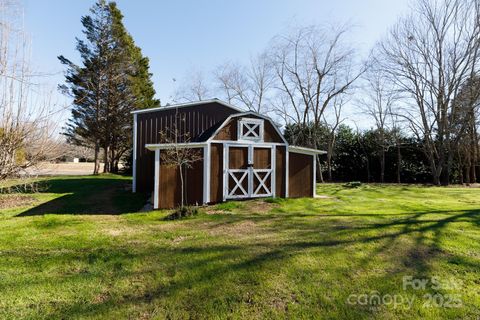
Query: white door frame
250, 173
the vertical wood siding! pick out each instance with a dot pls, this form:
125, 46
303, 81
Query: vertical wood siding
280, 172
169, 193
216, 172
300, 179
194, 120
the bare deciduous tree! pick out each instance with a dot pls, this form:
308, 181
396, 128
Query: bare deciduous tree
314, 67
194, 87
332, 124
428, 55
249, 86
377, 101
27, 124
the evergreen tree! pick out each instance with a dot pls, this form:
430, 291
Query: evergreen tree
141, 82
112, 81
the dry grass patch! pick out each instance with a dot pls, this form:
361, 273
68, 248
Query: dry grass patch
8, 201
234, 229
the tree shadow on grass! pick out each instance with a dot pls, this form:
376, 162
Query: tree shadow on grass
95, 196
200, 268
215, 264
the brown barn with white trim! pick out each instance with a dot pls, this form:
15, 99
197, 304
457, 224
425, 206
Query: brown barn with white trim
243, 155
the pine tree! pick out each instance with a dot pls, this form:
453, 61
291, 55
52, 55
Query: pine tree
112, 81
141, 83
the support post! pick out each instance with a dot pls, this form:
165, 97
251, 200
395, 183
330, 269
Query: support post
314, 175
134, 160
287, 170
273, 177
157, 180
206, 174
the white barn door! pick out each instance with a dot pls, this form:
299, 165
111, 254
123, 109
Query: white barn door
249, 171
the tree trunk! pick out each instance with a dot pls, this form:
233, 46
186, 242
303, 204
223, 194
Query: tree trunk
182, 200
329, 168
96, 159
467, 169
368, 170
460, 174
399, 163
105, 160
319, 168
382, 166
112, 166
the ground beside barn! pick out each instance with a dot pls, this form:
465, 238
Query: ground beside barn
76, 249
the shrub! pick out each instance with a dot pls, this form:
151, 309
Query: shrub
352, 184
182, 212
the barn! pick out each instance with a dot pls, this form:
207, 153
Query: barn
241, 155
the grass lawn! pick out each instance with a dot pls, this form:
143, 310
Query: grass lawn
78, 250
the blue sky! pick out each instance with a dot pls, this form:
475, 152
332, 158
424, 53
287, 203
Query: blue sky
183, 35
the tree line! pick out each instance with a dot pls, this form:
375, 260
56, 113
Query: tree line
419, 87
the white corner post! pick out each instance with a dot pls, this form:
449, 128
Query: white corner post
225, 167
287, 170
157, 180
134, 160
273, 178
206, 174
314, 175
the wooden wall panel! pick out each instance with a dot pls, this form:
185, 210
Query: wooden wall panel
216, 172
270, 134
170, 185
193, 120
280, 181
300, 179
261, 158
238, 158
230, 131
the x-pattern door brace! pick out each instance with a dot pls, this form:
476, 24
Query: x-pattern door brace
262, 182
251, 129
238, 182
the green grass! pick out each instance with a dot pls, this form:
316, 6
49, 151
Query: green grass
73, 255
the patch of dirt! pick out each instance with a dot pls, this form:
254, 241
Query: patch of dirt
252, 206
15, 200
322, 196
259, 206
119, 231
179, 239
101, 298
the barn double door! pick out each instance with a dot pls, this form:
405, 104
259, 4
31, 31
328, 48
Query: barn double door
249, 171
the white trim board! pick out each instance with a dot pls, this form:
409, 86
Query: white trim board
287, 171
304, 150
247, 143
314, 175
134, 175
187, 104
206, 173
156, 179
160, 146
